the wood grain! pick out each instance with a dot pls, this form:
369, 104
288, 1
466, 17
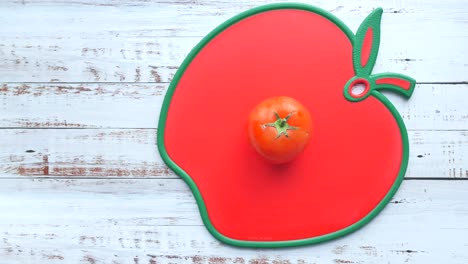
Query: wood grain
132, 153
131, 105
157, 221
144, 41
82, 153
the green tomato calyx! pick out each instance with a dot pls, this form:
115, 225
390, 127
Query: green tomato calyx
281, 125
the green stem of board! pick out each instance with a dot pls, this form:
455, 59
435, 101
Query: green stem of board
365, 50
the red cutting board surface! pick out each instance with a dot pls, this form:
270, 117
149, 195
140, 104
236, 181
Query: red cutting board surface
350, 164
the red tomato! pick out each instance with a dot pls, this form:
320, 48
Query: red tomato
279, 129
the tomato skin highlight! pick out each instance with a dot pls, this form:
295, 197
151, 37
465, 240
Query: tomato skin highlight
279, 129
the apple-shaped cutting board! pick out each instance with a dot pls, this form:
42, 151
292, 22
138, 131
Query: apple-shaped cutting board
358, 152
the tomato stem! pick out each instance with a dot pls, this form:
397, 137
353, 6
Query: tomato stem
281, 125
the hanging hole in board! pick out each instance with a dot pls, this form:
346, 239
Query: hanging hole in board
359, 88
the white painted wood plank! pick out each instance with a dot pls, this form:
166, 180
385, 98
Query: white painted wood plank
118, 105
156, 221
146, 41
190, 18
82, 105
434, 107
81, 152
101, 14
157, 59
132, 153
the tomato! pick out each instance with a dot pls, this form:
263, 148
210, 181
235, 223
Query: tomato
279, 129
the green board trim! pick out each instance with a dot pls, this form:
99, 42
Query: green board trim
193, 187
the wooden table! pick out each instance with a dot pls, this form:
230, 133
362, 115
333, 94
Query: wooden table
81, 180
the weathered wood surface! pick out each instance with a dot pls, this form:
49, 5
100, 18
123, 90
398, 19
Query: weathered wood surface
81, 181
145, 41
127, 105
156, 221
132, 153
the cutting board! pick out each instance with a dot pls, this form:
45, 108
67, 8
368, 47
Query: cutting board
358, 151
